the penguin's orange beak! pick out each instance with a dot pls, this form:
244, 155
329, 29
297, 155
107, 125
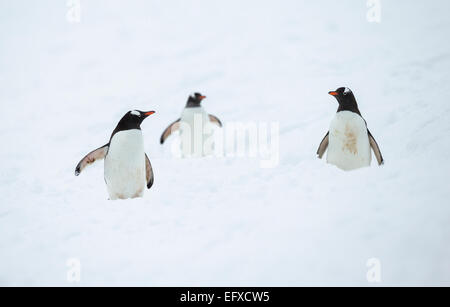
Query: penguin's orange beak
202, 97
333, 93
149, 113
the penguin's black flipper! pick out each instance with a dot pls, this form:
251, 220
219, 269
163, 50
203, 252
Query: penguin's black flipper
91, 157
375, 148
172, 128
148, 172
323, 145
215, 120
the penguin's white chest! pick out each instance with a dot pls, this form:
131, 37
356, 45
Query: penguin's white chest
196, 133
348, 146
125, 165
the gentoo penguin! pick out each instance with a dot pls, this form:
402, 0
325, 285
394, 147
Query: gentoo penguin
127, 167
195, 126
348, 140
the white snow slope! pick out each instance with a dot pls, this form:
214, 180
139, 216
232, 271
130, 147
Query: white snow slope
225, 221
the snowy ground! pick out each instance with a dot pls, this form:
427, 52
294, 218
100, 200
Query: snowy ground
225, 222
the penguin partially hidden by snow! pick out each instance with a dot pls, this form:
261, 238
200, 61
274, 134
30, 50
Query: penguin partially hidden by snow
127, 167
349, 140
195, 126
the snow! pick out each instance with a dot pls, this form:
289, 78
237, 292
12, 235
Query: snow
225, 221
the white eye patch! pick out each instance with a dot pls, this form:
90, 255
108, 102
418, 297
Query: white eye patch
347, 90
136, 113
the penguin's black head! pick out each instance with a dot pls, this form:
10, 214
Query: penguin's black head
195, 100
346, 100
132, 120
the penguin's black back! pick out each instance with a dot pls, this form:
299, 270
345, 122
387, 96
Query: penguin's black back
347, 101
128, 122
194, 101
